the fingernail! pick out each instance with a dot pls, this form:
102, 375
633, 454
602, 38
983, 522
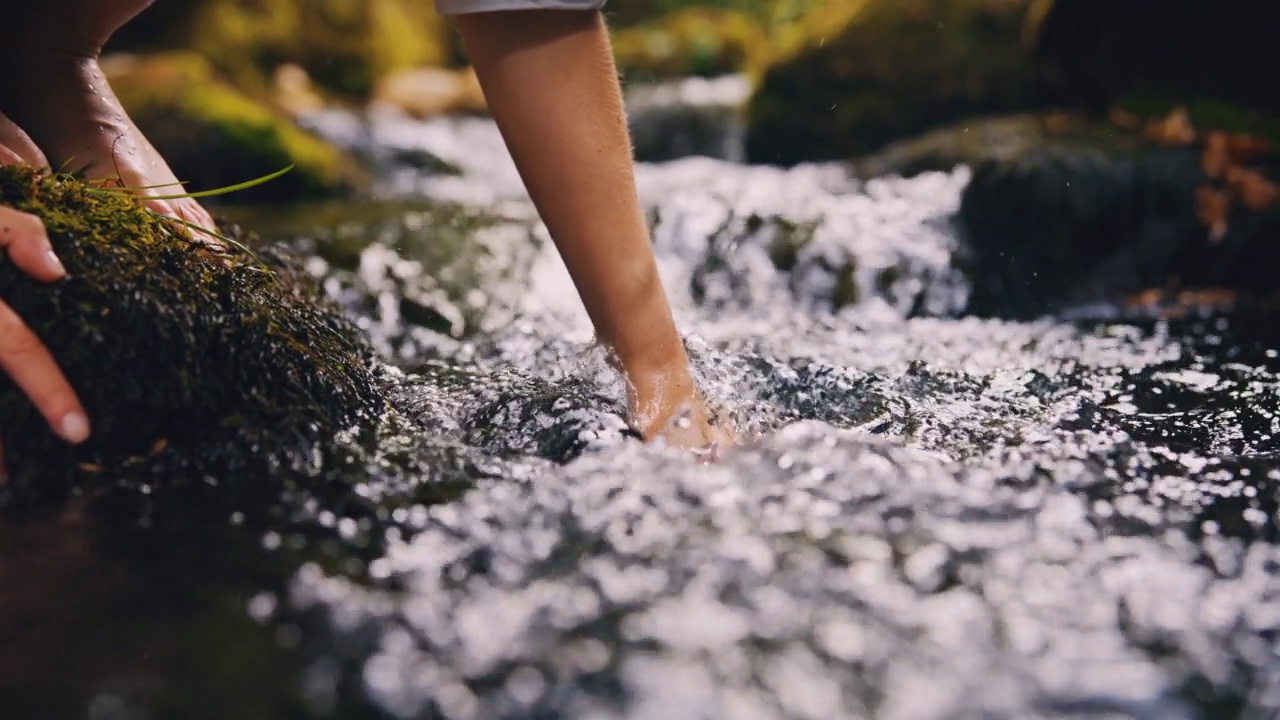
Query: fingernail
55, 264
74, 427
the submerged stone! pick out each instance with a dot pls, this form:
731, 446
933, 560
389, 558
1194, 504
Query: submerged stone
180, 357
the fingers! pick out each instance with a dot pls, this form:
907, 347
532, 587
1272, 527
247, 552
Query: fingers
23, 237
17, 143
192, 215
35, 372
8, 157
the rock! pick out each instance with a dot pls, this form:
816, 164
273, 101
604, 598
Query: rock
972, 142
699, 42
1168, 53
693, 116
344, 46
1075, 221
858, 75
427, 92
214, 135
204, 363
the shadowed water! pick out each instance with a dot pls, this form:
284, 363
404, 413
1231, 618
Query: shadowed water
932, 516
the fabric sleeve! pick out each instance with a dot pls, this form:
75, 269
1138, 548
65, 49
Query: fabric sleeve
460, 7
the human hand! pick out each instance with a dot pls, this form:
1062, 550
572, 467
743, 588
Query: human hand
665, 407
22, 355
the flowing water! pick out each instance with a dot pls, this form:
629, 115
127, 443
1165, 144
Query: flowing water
934, 516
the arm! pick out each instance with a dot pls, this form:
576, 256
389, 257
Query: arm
551, 84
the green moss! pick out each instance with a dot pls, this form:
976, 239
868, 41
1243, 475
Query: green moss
693, 41
208, 361
345, 46
214, 135
850, 77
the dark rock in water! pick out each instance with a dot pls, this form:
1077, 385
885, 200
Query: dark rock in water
972, 142
695, 116
179, 356
1067, 224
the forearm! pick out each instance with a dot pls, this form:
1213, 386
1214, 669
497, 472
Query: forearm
552, 88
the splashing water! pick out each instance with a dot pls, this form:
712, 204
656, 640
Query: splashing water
936, 516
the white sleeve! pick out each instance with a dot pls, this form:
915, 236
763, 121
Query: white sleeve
460, 7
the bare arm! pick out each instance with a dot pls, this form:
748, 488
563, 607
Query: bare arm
551, 84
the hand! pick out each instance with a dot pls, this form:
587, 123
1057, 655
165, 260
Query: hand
665, 407
22, 355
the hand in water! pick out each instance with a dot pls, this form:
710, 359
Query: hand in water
668, 409
22, 355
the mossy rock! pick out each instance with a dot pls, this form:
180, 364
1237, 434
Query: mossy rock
344, 46
214, 135
1075, 222
691, 42
850, 77
212, 365
1150, 54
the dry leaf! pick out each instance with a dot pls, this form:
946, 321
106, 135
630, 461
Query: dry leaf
1254, 191
1245, 148
1212, 206
1125, 120
1173, 129
1215, 158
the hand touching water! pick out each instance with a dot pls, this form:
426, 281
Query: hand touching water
22, 356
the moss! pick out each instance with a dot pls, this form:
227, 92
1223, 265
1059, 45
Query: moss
176, 353
848, 78
694, 41
344, 46
214, 135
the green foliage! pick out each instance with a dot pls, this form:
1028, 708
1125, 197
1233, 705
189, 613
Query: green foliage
345, 46
850, 77
214, 135
690, 42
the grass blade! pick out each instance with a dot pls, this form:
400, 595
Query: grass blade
224, 190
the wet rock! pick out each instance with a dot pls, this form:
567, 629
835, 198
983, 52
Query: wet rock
181, 358
344, 46
694, 116
971, 142
859, 75
1067, 222
214, 135
700, 42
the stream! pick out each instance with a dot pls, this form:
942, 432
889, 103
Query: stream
932, 515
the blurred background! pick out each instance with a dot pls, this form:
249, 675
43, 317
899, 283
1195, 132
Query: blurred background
1165, 112
828, 78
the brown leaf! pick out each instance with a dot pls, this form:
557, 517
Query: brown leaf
1215, 158
1254, 191
1212, 206
1172, 129
1245, 148
1125, 120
